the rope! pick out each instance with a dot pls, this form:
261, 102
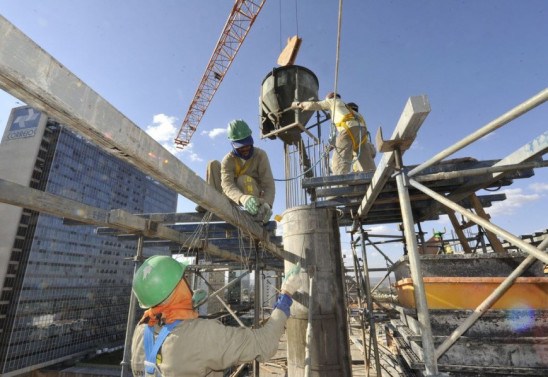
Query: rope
337, 54
296, 17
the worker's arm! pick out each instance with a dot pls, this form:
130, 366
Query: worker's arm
315, 105
236, 345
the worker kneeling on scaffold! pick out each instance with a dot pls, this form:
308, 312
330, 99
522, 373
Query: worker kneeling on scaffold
244, 175
170, 340
352, 140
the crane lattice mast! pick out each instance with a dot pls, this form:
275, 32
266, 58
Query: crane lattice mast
239, 22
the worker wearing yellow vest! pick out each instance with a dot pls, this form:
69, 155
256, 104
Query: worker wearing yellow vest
171, 341
244, 175
352, 140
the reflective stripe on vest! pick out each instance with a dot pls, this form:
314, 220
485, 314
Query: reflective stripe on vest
152, 347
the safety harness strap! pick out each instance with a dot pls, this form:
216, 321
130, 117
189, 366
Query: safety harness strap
345, 118
355, 145
152, 347
239, 169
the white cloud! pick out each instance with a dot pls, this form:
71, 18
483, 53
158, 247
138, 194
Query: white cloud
164, 130
382, 229
189, 152
214, 132
515, 198
539, 187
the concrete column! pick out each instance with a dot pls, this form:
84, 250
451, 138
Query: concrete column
311, 236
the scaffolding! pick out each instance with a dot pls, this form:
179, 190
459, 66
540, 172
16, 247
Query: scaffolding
393, 193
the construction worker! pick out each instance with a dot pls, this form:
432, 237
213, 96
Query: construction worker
244, 175
352, 140
368, 147
170, 339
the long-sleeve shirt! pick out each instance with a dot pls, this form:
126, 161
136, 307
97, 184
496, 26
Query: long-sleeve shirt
337, 108
257, 167
197, 347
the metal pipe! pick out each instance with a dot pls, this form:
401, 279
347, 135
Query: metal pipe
307, 359
360, 304
480, 171
514, 113
482, 222
130, 326
487, 303
230, 284
223, 302
372, 329
257, 304
380, 251
430, 362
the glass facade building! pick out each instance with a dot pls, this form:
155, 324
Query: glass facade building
65, 289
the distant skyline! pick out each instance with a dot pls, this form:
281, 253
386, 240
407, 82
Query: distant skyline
474, 60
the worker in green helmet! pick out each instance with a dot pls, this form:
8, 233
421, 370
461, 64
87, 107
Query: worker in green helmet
244, 175
352, 141
170, 339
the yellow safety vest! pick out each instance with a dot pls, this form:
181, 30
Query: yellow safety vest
239, 169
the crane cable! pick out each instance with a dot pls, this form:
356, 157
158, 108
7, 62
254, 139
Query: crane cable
337, 59
333, 127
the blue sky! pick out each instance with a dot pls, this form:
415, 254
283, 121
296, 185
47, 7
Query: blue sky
474, 59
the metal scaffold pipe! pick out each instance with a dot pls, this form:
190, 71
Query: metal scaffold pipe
516, 241
517, 111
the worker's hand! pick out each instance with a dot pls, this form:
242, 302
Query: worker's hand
198, 296
293, 279
296, 106
251, 204
265, 212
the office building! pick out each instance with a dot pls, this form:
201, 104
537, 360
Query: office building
65, 290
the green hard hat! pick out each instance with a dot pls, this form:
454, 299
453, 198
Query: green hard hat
156, 279
238, 130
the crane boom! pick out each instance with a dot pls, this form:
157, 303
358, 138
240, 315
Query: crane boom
237, 26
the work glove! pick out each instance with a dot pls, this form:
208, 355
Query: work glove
293, 279
198, 297
265, 213
296, 106
251, 204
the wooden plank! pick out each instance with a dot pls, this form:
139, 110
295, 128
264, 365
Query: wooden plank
414, 113
289, 53
35, 77
26, 197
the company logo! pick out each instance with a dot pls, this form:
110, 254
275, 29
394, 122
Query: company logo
25, 122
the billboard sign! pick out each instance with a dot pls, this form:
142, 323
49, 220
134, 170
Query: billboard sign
24, 123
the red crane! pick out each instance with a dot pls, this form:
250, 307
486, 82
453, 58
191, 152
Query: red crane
237, 26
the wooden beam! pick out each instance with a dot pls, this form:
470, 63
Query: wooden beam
35, 77
493, 239
458, 230
414, 113
36, 200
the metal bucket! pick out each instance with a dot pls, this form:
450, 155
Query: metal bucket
279, 89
